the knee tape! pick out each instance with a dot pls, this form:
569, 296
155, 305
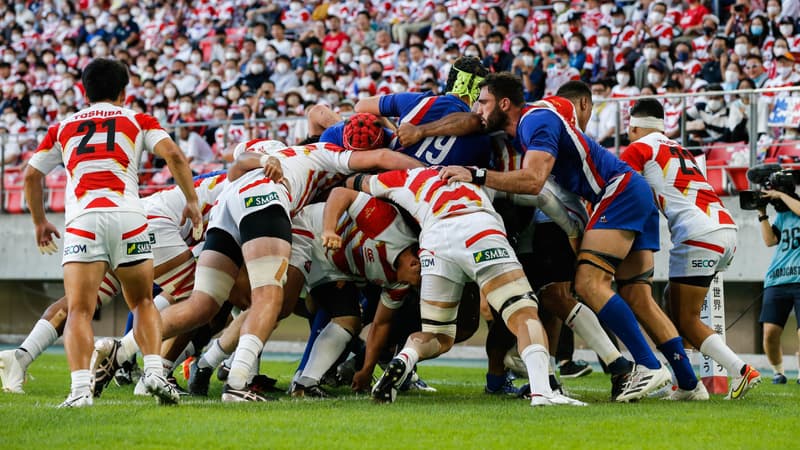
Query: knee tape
179, 281
643, 278
213, 282
436, 319
109, 288
602, 261
267, 271
511, 297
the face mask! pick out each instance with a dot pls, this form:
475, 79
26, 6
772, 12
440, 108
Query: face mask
91, 28
656, 17
650, 53
756, 30
472, 53
8, 58
375, 75
545, 48
67, 50
148, 76
515, 49
439, 17
773, 10
563, 29
527, 60
83, 51
365, 59
101, 51
10, 118
308, 79
398, 87
61, 69
559, 7
149, 93
717, 51
256, 69
778, 51
714, 105
270, 56
623, 79
41, 74
36, 101
231, 55
731, 77
346, 58
170, 92
653, 78
708, 31
786, 30
683, 56
618, 21
281, 68
603, 41
196, 59
76, 23
270, 114
740, 49
470, 21
544, 28
19, 89
111, 26
327, 84
574, 46
783, 71
674, 100
493, 48
124, 18
562, 62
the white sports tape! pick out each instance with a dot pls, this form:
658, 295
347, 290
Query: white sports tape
216, 283
267, 271
515, 288
179, 281
438, 314
647, 122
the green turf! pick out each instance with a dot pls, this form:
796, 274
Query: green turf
458, 416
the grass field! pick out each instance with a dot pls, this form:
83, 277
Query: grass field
458, 416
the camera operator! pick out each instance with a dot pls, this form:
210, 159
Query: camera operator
782, 280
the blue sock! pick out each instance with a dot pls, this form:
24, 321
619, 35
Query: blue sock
681, 366
321, 319
128, 324
617, 316
495, 382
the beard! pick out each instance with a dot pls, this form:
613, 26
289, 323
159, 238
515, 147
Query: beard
497, 119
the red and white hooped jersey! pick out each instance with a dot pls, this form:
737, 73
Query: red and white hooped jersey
427, 197
307, 169
373, 235
169, 203
683, 194
101, 147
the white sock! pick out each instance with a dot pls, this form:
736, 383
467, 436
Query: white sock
714, 347
536, 361
152, 364
185, 354
778, 368
41, 336
160, 302
328, 346
585, 324
81, 382
128, 347
246, 357
212, 357
410, 356
551, 368
167, 366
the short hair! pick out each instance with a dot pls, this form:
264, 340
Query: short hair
459, 20
648, 107
574, 90
495, 34
104, 79
505, 85
754, 56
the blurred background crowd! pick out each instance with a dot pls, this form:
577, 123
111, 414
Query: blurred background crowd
260, 63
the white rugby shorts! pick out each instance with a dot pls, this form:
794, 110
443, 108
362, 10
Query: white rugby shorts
114, 237
240, 200
704, 255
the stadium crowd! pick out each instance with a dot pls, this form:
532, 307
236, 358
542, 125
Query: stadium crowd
238, 60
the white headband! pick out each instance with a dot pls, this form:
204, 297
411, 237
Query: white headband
647, 122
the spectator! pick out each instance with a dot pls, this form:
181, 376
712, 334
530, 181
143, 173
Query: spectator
603, 123
335, 37
703, 43
256, 73
789, 31
602, 60
528, 66
656, 72
497, 59
713, 70
411, 17
558, 71
739, 21
649, 56
708, 121
673, 110
282, 45
754, 69
196, 149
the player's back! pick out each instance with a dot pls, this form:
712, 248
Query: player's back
422, 108
683, 194
101, 147
581, 165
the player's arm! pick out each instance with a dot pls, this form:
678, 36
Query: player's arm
34, 196
370, 105
453, 124
549, 204
179, 168
530, 179
376, 339
382, 159
253, 160
338, 201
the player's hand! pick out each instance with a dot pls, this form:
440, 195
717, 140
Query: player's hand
331, 240
408, 134
272, 168
451, 174
192, 212
44, 238
361, 381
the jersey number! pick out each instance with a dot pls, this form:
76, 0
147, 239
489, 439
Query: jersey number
436, 149
90, 127
790, 240
684, 156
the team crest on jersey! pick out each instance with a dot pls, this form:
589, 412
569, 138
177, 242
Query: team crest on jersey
260, 200
490, 254
138, 248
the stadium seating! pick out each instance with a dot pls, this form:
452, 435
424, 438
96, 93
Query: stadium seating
56, 183
14, 197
